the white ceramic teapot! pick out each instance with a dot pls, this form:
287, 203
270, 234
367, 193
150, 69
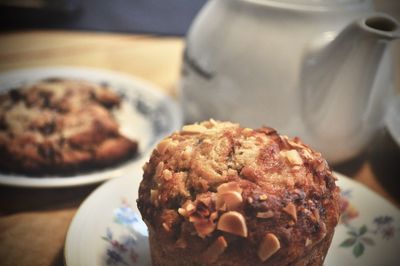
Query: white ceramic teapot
316, 69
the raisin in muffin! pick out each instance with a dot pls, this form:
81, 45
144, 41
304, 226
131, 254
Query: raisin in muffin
60, 126
219, 194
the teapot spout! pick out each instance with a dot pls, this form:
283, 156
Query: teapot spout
338, 89
380, 25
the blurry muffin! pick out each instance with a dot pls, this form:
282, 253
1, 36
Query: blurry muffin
219, 194
61, 126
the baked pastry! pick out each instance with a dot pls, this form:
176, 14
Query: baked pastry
219, 194
60, 126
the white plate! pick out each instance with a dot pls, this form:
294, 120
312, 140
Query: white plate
107, 229
146, 114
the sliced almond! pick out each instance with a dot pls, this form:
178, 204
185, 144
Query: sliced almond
230, 186
215, 250
162, 147
233, 222
212, 122
265, 215
230, 200
291, 210
268, 246
308, 242
166, 227
193, 129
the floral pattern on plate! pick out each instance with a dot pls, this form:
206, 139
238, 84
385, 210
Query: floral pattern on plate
122, 249
358, 238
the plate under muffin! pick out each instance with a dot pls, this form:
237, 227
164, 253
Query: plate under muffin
368, 234
146, 115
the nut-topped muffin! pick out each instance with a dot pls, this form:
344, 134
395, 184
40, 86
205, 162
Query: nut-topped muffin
218, 194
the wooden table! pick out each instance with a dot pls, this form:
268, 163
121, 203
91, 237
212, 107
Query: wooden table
34, 222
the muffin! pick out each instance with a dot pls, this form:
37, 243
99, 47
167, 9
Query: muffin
61, 126
219, 194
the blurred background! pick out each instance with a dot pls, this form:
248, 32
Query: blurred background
171, 17
145, 38
161, 17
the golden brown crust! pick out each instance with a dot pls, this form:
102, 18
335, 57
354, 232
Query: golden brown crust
60, 126
272, 198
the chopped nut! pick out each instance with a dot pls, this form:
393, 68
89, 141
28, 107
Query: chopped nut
315, 215
169, 218
263, 197
307, 154
247, 130
291, 210
265, 215
154, 196
159, 169
167, 174
181, 243
204, 227
230, 200
187, 209
308, 242
292, 156
268, 246
214, 216
193, 129
250, 200
233, 222
321, 166
182, 212
232, 172
186, 154
322, 233
190, 207
145, 167
215, 250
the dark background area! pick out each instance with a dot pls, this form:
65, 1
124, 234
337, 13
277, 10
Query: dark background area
164, 17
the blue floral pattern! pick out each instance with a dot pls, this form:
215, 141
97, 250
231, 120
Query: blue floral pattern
122, 250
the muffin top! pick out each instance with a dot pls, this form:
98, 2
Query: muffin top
215, 187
